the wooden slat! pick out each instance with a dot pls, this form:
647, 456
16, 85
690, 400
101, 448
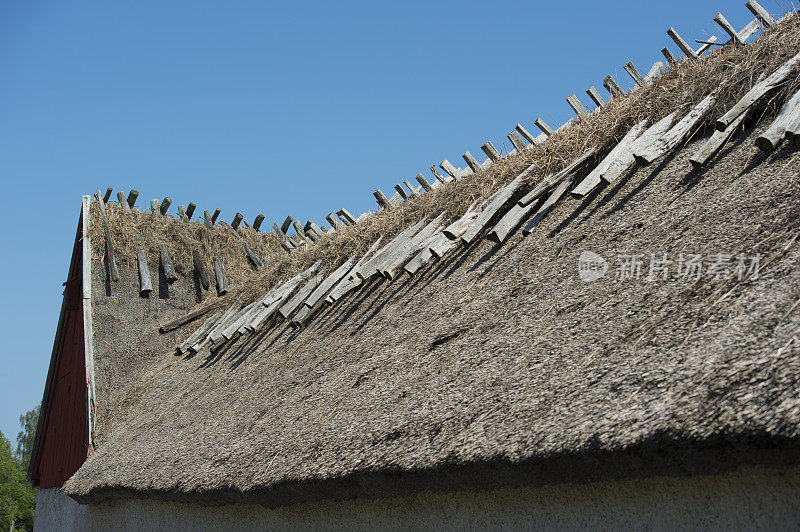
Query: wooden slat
111, 261
145, 283
612, 87
200, 268
215, 216
165, 203
380, 197
526, 134
124, 203
334, 221
237, 219
788, 116
517, 141
186, 318
547, 206
449, 169
749, 30
370, 267
723, 23
542, 125
496, 205
166, 265
668, 55
107, 195
400, 190
199, 332
190, 210
460, 226
132, 195
345, 216
287, 223
351, 280
414, 190
490, 151
706, 45
258, 221
330, 281
393, 266
633, 73
760, 13
577, 106
654, 72
471, 162
554, 179
625, 159
683, 45
424, 183
288, 309
595, 96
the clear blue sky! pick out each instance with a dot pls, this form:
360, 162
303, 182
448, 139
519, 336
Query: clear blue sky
278, 108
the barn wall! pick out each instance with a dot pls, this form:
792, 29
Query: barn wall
64, 434
747, 498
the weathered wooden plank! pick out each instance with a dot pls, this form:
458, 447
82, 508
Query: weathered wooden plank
132, 195
760, 13
424, 183
749, 30
490, 151
496, 205
471, 162
414, 190
258, 221
298, 228
517, 141
288, 309
207, 219
329, 282
787, 117
593, 179
526, 134
287, 223
706, 45
669, 57
683, 45
723, 23
758, 91
345, 217
289, 286
793, 132
200, 268
577, 106
204, 340
595, 96
370, 267
190, 210
231, 331
107, 195
451, 170
351, 280
166, 265
200, 331
124, 204
439, 177
334, 221
424, 254
219, 274
613, 87
677, 134
393, 265
547, 206
215, 216
145, 283
654, 72
400, 190
554, 179
380, 197
182, 213
165, 203
113, 271
633, 73
542, 125
186, 318
625, 160
237, 219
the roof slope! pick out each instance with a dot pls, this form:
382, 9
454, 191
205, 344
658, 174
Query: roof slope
500, 360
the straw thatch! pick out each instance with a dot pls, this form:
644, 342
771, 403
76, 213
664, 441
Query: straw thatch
498, 365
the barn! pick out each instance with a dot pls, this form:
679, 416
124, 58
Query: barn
598, 329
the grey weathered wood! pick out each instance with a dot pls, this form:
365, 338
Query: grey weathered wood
449, 168
542, 125
760, 13
496, 205
526, 134
156, 210
199, 332
207, 219
132, 195
440, 245
677, 134
330, 281
335, 223
124, 203
351, 280
219, 275
471, 162
237, 219
166, 265
312, 228
706, 45
787, 117
669, 57
547, 206
287, 223
424, 255
145, 283
215, 216
633, 73
723, 23
165, 203
229, 314
200, 268
113, 271
400, 190
191, 316
758, 91
595, 96
577, 106
620, 150
107, 195
182, 213
613, 87
490, 151
231, 330
554, 179
345, 216
516, 141
380, 197
424, 183
793, 131
190, 210
414, 190
258, 221
288, 309
274, 299
683, 45
715, 143
749, 30
370, 267
439, 177
460, 226
298, 228
654, 72
625, 160
393, 264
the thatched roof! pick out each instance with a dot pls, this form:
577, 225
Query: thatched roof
498, 365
